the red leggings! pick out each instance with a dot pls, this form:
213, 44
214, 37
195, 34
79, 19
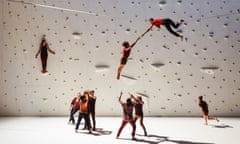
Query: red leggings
124, 122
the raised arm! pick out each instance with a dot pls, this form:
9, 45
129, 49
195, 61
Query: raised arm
119, 98
135, 99
91, 95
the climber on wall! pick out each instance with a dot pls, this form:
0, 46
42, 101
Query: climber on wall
43, 49
126, 52
168, 23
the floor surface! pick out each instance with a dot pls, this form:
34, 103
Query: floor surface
161, 130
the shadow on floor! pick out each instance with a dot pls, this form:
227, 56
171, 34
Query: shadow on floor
156, 139
97, 132
222, 126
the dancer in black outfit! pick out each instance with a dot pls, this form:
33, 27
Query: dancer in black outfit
204, 109
91, 108
43, 49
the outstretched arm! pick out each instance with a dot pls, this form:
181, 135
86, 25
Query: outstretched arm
142, 35
51, 51
147, 30
38, 52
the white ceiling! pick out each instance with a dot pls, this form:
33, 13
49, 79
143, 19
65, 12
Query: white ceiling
207, 63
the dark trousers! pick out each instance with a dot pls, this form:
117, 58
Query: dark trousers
124, 122
168, 23
73, 111
44, 62
92, 114
86, 118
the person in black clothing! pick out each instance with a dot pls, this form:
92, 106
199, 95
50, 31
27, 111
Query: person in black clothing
204, 109
138, 106
43, 49
91, 108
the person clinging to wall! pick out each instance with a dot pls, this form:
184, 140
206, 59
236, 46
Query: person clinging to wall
125, 54
168, 23
204, 109
43, 51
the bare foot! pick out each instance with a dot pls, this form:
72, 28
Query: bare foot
181, 21
118, 76
181, 37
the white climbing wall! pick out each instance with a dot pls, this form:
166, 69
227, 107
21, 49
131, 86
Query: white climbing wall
168, 73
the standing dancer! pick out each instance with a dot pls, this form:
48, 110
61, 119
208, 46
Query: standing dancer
84, 112
91, 107
127, 116
204, 109
43, 49
74, 107
126, 52
138, 105
168, 23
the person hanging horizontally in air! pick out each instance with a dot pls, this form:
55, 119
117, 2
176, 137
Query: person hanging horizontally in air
43, 51
168, 23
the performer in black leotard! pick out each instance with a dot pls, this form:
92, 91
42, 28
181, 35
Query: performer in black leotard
138, 105
204, 109
43, 49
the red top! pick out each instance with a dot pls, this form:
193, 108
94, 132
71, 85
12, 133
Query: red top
157, 22
75, 103
126, 52
84, 107
127, 112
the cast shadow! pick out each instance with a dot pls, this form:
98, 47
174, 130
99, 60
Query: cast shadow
156, 139
222, 126
97, 132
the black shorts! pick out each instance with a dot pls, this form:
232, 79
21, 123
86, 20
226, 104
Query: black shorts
206, 112
124, 60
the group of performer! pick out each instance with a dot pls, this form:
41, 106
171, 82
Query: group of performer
85, 104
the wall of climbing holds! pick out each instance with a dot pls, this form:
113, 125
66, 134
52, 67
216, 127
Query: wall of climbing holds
87, 37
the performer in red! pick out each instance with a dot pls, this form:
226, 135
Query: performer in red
127, 116
74, 108
84, 112
126, 52
168, 23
